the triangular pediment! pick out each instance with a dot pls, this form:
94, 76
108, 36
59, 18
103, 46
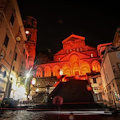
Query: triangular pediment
80, 55
73, 41
73, 37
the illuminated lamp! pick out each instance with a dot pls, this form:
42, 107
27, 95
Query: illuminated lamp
89, 88
33, 81
18, 39
61, 72
37, 90
27, 32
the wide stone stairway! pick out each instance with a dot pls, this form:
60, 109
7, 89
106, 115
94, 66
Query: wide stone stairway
73, 91
75, 95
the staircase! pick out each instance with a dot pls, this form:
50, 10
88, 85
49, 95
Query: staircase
73, 91
75, 97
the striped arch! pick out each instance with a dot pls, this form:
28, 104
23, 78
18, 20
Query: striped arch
56, 69
66, 70
39, 72
74, 61
47, 71
96, 66
84, 68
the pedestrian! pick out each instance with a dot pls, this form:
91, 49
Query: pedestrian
71, 116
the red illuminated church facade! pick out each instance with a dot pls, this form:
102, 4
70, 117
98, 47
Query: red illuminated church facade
75, 59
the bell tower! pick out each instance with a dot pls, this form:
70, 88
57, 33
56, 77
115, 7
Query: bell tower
30, 25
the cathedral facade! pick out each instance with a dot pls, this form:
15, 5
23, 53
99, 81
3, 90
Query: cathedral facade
75, 59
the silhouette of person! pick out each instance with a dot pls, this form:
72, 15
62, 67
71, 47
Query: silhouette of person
71, 116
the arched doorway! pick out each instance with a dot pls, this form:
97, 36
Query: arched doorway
39, 72
84, 68
66, 70
47, 71
56, 69
74, 61
96, 66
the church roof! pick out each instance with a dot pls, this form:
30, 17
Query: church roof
74, 37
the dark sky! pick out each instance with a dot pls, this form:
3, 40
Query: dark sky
56, 20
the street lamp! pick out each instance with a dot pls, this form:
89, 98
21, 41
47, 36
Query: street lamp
27, 32
61, 72
33, 81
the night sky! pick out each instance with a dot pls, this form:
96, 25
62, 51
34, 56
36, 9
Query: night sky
56, 20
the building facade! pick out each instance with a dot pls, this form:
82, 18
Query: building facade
12, 47
75, 59
110, 71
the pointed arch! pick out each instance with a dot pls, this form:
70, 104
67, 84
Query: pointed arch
39, 72
96, 66
66, 70
47, 71
74, 60
84, 68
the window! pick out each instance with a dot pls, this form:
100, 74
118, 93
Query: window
15, 57
13, 68
118, 55
113, 67
95, 88
12, 19
118, 64
109, 87
113, 85
77, 49
28, 37
81, 49
24, 51
6, 41
94, 80
91, 55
